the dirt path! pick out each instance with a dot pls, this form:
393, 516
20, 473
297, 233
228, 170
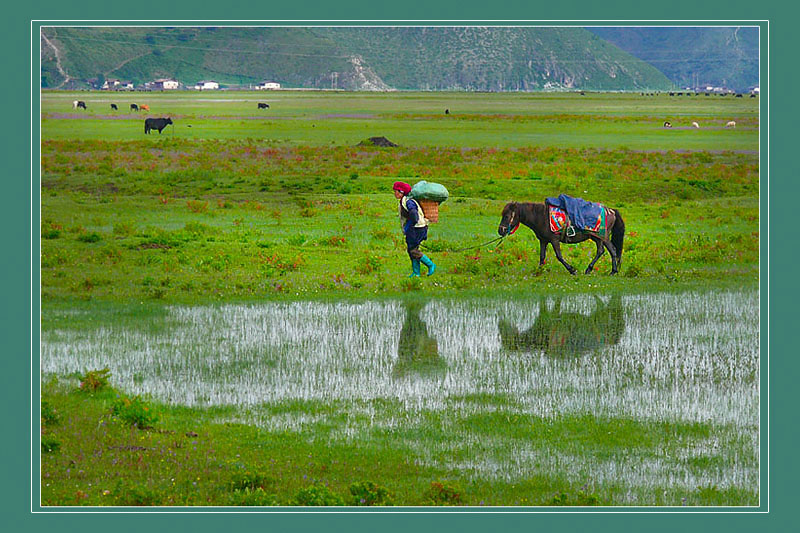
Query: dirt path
58, 59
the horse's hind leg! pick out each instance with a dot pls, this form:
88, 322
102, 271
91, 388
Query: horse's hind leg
614, 258
600, 250
557, 250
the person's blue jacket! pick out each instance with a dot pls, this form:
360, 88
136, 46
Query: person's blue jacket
413, 215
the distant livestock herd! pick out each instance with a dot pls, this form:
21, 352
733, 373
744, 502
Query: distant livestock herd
161, 123
729, 124
149, 123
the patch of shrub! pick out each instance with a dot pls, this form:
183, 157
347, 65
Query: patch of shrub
197, 228
369, 264
250, 480
134, 412
89, 237
137, 496
196, 206
443, 493
317, 496
50, 444
297, 240
95, 380
581, 499
381, 234
253, 498
49, 415
368, 493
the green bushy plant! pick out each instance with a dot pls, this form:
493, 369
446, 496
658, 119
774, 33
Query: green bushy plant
368, 493
317, 495
95, 380
49, 415
50, 443
443, 493
89, 237
135, 412
253, 498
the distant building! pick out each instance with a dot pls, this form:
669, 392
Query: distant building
206, 85
163, 84
110, 84
268, 85
126, 85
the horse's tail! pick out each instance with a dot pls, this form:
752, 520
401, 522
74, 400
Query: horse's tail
618, 234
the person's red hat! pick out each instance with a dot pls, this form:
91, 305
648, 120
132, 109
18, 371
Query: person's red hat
401, 186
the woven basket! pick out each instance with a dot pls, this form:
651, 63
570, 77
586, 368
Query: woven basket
430, 209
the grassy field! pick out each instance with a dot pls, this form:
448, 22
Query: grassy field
238, 206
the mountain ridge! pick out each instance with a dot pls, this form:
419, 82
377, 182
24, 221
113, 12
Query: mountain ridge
351, 58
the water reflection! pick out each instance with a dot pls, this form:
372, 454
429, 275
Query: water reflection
561, 333
417, 350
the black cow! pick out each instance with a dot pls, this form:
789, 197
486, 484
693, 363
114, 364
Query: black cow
156, 124
80, 103
262, 105
134, 107
667, 124
114, 107
446, 111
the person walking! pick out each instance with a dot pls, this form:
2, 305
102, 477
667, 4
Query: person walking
415, 228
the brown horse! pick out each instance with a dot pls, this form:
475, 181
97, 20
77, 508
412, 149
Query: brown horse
537, 218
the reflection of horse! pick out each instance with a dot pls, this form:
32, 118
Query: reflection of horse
557, 333
537, 217
417, 351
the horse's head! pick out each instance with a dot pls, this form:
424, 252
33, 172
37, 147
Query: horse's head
510, 219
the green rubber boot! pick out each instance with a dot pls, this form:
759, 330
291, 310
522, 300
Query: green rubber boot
428, 263
414, 268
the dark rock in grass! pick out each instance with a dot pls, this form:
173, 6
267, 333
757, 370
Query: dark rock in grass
378, 141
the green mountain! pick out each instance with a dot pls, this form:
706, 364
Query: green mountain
694, 56
352, 58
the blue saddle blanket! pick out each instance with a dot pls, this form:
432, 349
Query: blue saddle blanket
585, 216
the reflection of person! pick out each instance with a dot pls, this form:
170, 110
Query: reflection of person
417, 351
557, 333
415, 227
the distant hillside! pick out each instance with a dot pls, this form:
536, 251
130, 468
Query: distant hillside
495, 59
694, 56
357, 58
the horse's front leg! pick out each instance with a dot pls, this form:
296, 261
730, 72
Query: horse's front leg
600, 251
542, 251
557, 250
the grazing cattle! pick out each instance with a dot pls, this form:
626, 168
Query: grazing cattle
134, 107
144, 107
730, 124
752, 95
667, 124
78, 103
695, 125
738, 95
446, 111
114, 107
156, 124
262, 105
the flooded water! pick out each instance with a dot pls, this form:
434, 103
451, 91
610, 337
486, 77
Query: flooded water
681, 358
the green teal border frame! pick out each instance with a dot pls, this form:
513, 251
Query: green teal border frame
22, 278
